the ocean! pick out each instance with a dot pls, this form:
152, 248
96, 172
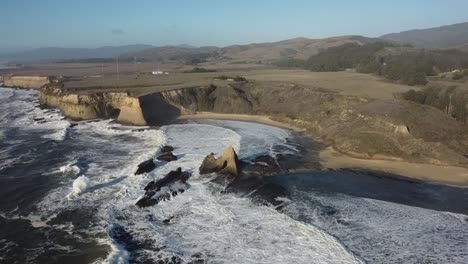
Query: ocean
68, 193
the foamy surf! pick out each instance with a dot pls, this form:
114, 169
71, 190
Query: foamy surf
79, 186
222, 228
70, 169
24, 113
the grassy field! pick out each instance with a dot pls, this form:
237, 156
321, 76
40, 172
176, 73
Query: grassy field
137, 79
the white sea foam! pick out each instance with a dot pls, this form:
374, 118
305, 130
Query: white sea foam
22, 111
386, 232
70, 169
79, 186
118, 254
224, 228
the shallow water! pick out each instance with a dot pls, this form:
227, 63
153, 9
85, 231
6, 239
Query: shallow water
67, 194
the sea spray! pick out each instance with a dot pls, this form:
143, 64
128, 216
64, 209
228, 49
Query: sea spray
80, 185
70, 169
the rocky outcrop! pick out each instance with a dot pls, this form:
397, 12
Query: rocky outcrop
27, 82
167, 156
227, 163
247, 178
167, 148
145, 166
162, 190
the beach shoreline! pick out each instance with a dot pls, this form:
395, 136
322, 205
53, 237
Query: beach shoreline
329, 158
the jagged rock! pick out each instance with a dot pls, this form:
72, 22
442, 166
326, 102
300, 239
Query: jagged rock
162, 190
145, 166
167, 148
168, 156
228, 163
250, 180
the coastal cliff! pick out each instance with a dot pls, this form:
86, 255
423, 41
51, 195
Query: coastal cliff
27, 82
121, 106
359, 127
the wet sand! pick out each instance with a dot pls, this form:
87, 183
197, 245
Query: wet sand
261, 119
449, 175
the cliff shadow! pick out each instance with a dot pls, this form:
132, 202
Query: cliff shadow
157, 110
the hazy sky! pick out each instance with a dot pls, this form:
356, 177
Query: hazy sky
92, 23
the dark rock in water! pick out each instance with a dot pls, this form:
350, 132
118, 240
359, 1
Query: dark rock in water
256, 187
174, 183
168, 220
73, 124
167, 149
39, 120
168, 156
265, 159
247, 178
228, 163
167, 260
145, 166
138, 130
263, 165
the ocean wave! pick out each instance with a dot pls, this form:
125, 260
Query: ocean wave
222, 228
23, 112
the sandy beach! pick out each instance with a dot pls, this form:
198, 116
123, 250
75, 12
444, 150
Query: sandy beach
331, 159
449, 175
261, 119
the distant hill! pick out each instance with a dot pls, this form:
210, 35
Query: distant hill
452, 36
57, 54
297, 48
181, 53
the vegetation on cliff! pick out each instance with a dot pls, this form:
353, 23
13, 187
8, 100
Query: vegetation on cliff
199, 70
450, 100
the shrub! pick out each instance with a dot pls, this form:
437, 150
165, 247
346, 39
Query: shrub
199, 70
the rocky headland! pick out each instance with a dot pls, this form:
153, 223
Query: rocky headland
28, 82
359, 127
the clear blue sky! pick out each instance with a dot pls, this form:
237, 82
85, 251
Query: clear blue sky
92, 23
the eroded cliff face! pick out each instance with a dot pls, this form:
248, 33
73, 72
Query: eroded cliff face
124, 108
27, 82
360, 127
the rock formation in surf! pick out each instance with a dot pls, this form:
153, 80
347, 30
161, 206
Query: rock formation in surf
245, 177
227, 163
145, 166
167, 148
167, 156
162, 190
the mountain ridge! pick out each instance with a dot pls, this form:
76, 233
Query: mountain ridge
442, 37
